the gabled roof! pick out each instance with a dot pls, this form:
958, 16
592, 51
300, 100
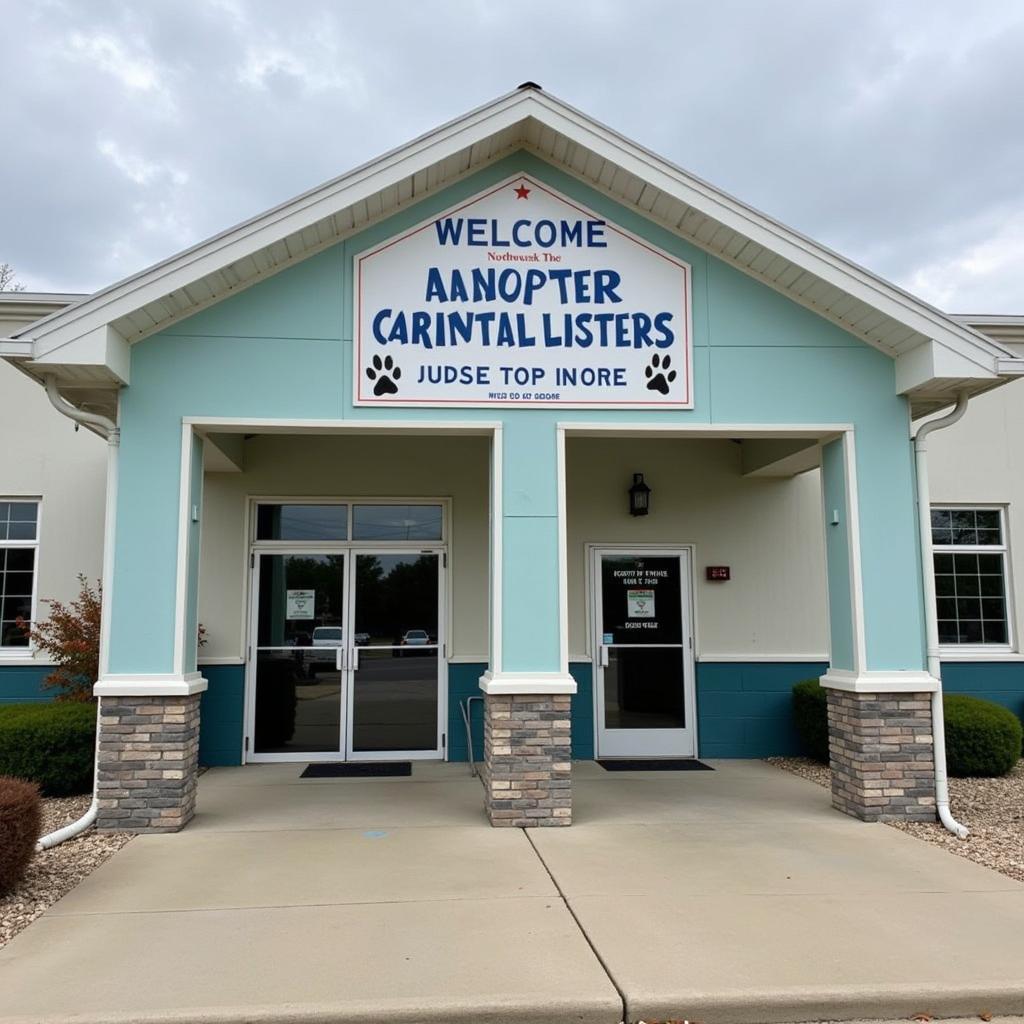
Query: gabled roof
86, 344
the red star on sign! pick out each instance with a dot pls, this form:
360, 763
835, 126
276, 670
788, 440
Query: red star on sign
522, 192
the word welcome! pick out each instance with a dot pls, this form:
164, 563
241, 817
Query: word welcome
524, 234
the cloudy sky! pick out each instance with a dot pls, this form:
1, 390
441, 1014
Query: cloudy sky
891, 131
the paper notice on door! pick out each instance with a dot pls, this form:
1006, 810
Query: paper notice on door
300, 604
640, 604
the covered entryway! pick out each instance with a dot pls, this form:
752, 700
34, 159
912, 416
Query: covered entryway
681, 619
390, 301
343, 592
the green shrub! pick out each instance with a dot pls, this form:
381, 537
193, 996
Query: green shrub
52, 744
21, 821
810, 712
982, 738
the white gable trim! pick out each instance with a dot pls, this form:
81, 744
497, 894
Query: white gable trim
253, 236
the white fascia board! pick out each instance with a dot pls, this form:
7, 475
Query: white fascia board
1011, 366
15, 348
932, 362
102, 346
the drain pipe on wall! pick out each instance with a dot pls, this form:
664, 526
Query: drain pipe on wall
112, 433
931, 617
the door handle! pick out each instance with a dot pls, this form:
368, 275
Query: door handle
355, 659
338, 651
604, 656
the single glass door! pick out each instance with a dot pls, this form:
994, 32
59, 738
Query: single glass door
397, 656
298, 657
643, 664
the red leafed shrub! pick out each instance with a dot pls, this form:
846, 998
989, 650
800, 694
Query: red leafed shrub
21, 820
71, 636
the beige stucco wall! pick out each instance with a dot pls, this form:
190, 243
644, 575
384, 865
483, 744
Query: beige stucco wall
43, 457
980, 461
768, 531
350, 466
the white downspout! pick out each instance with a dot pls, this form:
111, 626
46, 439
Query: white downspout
113, 436
931, 617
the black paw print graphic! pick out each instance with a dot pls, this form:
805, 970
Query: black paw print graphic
384, 372
658, 374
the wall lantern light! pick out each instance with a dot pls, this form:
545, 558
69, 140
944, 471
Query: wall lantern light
639, 496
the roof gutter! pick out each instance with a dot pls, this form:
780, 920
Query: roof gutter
112, 433
931, 616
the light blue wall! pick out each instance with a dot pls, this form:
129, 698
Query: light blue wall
529, 546
281, 349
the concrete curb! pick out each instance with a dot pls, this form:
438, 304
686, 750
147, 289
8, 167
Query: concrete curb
595, 1011
850, 1003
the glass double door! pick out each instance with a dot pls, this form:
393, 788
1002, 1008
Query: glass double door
346, 656
644, 658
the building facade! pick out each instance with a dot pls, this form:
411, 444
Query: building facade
519, 412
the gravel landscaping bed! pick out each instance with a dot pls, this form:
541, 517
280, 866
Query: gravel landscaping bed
993, 809
55, 872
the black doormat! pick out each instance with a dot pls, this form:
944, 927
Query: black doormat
655, 764
357, 770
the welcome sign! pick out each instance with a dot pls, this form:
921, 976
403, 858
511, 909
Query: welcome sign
521, 297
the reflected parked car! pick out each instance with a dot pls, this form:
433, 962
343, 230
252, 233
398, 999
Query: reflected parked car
413, 638
326, 640
361, 639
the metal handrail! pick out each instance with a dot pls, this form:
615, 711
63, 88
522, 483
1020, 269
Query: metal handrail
466, 707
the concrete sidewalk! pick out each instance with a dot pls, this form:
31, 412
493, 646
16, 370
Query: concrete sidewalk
734, 895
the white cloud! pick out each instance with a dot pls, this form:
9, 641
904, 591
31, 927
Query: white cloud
976, 278
266, 61
135, 70
136, 168
889, 131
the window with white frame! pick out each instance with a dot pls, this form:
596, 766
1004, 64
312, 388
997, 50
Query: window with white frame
971, 576
19, 544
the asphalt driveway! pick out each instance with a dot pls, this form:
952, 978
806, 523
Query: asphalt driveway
735, 895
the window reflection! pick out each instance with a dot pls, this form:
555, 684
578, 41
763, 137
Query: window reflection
397, 601
302, 522
396, 522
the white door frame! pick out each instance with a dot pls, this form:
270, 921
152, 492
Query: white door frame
656, 742
347, 653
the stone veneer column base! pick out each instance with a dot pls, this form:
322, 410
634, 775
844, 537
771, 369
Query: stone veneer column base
148, 763
527, 761
880, 749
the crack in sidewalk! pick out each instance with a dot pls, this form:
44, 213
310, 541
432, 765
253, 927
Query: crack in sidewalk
579, 924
